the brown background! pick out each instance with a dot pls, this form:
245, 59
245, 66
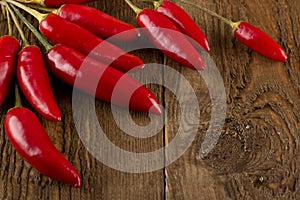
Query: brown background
257, 156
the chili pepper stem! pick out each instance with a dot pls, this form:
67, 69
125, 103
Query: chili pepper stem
8, 22
45, 9
157, 3
18, 102
225, 20
3, 10
133, 7
17, 24
40, 2
39, 16
44, 42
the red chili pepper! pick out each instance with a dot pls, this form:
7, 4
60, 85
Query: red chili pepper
61, 31
259, 41
31, 141
97, 22
159, 29
35, 83
9, 47
184, 22
66, 63
57, 3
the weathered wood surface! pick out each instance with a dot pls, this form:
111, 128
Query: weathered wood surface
257, 156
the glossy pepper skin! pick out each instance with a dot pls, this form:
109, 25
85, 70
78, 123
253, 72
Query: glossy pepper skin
66, 63
97, 22
9, 47
259, 41
183, 22
176, 46
31, 141
35, 83
57, 3
61, 31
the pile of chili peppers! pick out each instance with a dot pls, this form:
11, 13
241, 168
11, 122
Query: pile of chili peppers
68, 51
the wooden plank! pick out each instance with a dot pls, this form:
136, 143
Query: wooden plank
20, 181
257, 154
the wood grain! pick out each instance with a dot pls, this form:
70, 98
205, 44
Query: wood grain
257, 155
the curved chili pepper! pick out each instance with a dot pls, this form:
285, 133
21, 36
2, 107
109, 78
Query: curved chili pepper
57, 3
183, 22
61, 31
97, 22
9, 47
66, 63
159, 29
35, 83
259, 41
31, 141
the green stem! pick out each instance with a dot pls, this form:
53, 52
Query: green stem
17, 24
8, 13
133, 7
45, 9
227, 21
39, 2
3, 10
42, 39
39, 16
8, 22
18, 101
157, 3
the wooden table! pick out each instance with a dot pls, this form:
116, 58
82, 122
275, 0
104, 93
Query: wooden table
257, 155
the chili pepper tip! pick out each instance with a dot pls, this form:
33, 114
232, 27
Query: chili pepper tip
58, 119
78, 183
282, 57
206, 47
155, 108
